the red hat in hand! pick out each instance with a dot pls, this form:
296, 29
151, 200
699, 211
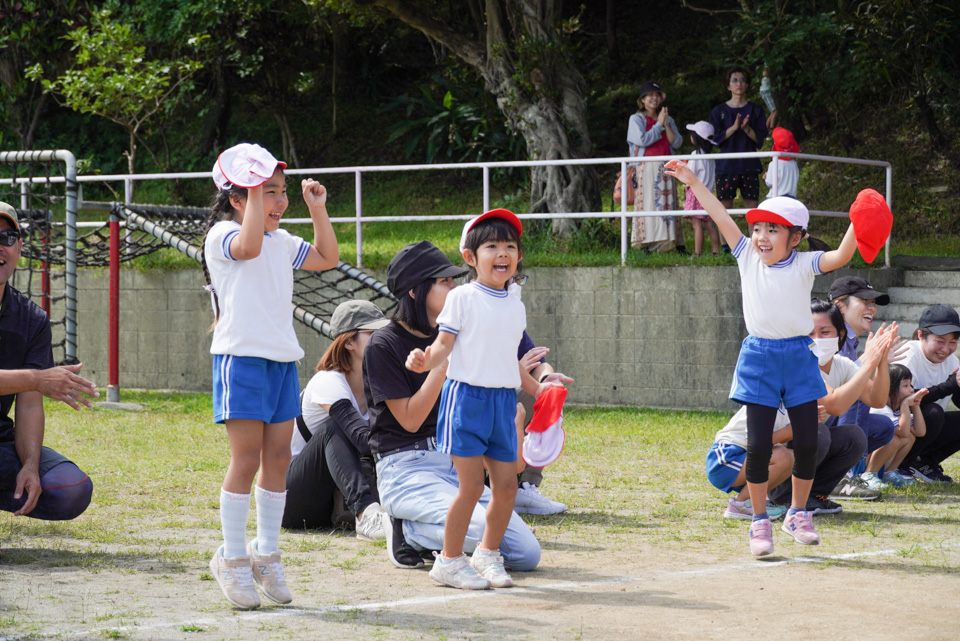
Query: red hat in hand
545, 436
872, 222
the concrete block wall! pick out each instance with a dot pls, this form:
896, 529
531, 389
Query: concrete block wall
666, 337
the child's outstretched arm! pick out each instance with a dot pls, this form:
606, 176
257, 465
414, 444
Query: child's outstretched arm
424, 360
718, 213
248, 243
324, 254
837, 258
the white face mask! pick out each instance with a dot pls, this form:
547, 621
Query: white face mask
826, 348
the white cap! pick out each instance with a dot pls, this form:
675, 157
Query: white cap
780, 210
245, 165
703, 129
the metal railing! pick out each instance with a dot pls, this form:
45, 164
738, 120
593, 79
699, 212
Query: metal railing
624, 214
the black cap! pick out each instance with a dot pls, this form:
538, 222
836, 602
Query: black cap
416, 263
649, 87
856, 286
940, 320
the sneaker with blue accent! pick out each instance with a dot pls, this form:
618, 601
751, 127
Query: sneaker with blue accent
761, 538
799, 525
894, 478
744, 510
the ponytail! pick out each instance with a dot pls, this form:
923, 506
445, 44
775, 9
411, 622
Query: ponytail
222, 209
813, 243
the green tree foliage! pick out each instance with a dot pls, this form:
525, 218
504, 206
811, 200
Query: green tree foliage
112, 78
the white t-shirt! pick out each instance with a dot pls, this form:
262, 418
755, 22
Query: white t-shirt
488, 324
841, 371
892, 414
925, 373
325, 388
256, 295
735, 431
705, 170
776, 299
788, 175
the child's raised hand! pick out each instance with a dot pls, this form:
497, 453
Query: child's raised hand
416, 360
914, 399
532, 357
679, 170
313, 192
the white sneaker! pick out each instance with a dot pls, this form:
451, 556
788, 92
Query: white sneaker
369, 525
457, 573
235, 578
873, 482
268, 573
489, 565
530, 501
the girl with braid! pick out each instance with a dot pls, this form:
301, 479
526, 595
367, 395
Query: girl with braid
248, 262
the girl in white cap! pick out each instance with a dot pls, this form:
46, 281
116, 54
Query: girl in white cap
777, 363
248, 262
701, 135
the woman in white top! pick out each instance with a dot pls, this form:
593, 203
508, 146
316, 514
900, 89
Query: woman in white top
330, 447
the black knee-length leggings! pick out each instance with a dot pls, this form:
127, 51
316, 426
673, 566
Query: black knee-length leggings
760, 422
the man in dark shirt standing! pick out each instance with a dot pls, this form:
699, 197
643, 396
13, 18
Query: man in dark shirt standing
34, 480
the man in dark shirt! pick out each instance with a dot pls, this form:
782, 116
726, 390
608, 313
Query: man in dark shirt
34, 480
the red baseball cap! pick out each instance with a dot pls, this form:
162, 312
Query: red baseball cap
506, 214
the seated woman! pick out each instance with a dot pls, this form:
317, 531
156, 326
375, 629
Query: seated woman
330, 449
416, 482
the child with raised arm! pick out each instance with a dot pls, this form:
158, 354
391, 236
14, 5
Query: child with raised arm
777, 363
480, 329
248, 262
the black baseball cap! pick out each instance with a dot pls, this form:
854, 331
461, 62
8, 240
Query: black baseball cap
416, 263
940, 320
649, 87
856, 286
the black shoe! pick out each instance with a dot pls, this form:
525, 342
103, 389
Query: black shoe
853, 488
682, 250
401, 553
819, 504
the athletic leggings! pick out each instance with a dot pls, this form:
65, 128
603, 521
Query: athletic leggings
760, 421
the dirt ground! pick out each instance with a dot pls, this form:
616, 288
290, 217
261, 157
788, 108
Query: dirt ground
896, 579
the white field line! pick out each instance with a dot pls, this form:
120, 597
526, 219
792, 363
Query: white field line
260, 615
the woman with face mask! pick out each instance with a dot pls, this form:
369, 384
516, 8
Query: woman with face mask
848, 383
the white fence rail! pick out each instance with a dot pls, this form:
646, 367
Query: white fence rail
624, 214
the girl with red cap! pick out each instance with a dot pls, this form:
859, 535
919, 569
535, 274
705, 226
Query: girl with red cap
788, 174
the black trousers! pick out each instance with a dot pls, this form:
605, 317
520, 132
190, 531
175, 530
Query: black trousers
838, 449
329, 461
942, 439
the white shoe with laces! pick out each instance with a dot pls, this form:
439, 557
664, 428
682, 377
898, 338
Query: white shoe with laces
370, 524
489, 565
268, 573
235, 578
530, 501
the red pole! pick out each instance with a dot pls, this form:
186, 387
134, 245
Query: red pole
113, 390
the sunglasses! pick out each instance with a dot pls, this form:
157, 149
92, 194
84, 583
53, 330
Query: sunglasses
9, 237
520, 279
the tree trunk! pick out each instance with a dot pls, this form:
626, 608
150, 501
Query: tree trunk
526, 66
613, 51
289, 147
217, 121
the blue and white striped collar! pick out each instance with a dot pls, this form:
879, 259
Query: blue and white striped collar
496, 293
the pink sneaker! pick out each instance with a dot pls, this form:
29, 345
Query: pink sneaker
800, 527
761, 538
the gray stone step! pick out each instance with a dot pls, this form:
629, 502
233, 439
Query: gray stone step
925, 296
950, 280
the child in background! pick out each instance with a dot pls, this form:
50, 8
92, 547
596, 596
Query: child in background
480, 329
903, 410
702, 139
788, 174
777, 364
248, 262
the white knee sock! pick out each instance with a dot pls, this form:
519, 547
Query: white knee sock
269, 515
234, 509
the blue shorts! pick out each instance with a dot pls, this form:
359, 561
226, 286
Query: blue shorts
248, 387
772, 371
724, 462
477, 421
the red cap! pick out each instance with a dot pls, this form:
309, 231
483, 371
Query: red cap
783, 141
506, 214
872, 222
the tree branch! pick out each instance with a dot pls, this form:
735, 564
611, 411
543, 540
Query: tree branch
714, 12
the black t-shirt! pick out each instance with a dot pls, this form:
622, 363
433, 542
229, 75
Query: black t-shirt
25, 343
386, 377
